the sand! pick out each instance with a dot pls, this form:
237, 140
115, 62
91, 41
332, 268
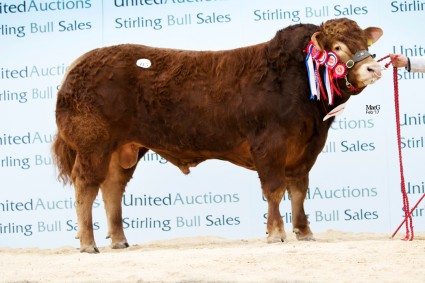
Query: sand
333, 257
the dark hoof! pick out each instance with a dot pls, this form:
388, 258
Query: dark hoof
272, 240
120, 245
90, 250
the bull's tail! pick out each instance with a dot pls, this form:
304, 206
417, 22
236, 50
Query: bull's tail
64, 158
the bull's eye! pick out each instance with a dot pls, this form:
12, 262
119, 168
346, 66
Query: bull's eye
337, 48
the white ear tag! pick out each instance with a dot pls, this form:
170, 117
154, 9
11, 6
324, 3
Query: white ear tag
144, 63
335, 112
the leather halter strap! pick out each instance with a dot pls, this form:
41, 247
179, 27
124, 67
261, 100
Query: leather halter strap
359, 56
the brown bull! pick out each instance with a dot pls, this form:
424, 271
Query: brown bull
250, 106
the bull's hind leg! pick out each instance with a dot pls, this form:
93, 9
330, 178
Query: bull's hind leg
297, 189
88, 173
121, 169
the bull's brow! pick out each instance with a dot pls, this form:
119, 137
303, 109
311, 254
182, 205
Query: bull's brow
352, 46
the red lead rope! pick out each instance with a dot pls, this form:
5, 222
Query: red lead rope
407, 212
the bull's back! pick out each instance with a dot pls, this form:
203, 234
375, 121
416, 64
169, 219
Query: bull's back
187, 97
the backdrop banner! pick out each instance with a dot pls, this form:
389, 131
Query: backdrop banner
354, 185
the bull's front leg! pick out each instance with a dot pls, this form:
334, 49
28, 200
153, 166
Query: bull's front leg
275, 227
269, 160
297, 189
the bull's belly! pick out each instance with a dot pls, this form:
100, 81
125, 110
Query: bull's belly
299, 166
185, 159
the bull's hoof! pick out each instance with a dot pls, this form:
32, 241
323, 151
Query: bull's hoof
277, 236
90, 250
307, 236
271, 240
120, 245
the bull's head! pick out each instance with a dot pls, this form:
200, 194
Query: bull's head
350, 43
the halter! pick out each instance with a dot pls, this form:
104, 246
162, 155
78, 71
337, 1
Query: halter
358, 56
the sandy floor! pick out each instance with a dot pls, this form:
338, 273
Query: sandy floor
333, 257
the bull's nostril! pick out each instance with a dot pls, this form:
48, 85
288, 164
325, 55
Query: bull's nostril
376, 71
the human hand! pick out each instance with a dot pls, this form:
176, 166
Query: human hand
398, 60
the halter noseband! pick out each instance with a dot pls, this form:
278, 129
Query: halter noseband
358, 56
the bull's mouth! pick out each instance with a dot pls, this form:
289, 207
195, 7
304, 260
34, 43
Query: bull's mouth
370, 82
376, 76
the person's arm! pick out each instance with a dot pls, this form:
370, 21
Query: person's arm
417, 64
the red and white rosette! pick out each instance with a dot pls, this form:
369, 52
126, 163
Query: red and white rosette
340, 70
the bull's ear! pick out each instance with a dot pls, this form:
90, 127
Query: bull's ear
373, 34
316, 41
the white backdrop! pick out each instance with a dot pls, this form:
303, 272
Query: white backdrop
354, 186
